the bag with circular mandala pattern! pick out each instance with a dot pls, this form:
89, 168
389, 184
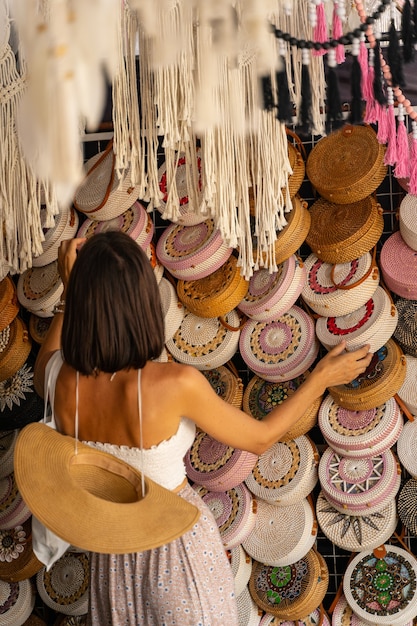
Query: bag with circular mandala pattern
17, 559
64, 587
406, 505
405, 333
40, 288
380, 585
17, 601
227, 383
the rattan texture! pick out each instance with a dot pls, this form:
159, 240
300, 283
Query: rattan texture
17, 350
9, 303
407, 391
217, 294
286, 472
173, 310
234, 511
407, 220
205, 343
398, 263
40, 288
382, 589
64, 588
271, 294
359, 486
241, 564
17, 559
282, 534
248, 611
227, 384
407, 505
215, 465
7, 444
340, 233
17, 601
192, 252
381, 380
373, 323
360, 434
347, 165
13, 509
355, 533
261, 396
405, 333
344, 616
65, 227
282, 348
298, 166
157, 267
38, 327
407, 448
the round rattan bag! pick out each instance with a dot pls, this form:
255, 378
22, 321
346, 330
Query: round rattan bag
16, 346
341, 288
9, 303
407, 447
17, 601
405, 332
172, 309
381, 587
407, 392
65, 227
241, 564
381, 380
40, 288
347, 165
261, 396
227, 383
407, 220
17, 559
398, 264
64, 587
216, 294
407, 505
340, 233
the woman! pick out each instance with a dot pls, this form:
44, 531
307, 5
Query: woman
110, 328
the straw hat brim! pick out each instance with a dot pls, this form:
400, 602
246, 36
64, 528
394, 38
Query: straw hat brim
92, 499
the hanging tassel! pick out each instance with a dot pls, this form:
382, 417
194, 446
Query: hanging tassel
320, 33
402, 167
382, 122
337, 32
363, 62
306, 106
412, 185
390, 157
407, 35
379, 94
356, 105
267, 96
334, 104
370, 108
395, 60
284, 109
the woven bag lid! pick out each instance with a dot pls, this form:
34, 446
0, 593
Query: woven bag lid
382, 379
281, 348
7, 444
102, 194
282, 534
407, 391
64, 588
360, 434
215, 465
341, 288
157, 267
192, 252
355, 533
372, 323
38, 327
16, 346
407, 505
261, 396
216, 294
248, 612
135, 222
281, 590
65, 227
407, 448
286, 472
241, 564
205, 343
226, 383
172, 309
40, 288
406, 330
19, 402
234, 511
359, 486
344, 616
340, 233
398, 263
9, 304
17, 601
380, 585
13, 509
298, 166
407, 220
271, 294
17, 559
347, 165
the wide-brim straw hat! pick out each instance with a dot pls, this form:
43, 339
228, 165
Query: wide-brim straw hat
93, 500
347, 165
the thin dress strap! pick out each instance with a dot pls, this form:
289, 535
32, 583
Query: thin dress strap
141, 429
77, 379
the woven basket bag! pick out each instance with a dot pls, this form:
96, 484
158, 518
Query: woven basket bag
217, 294
405, 333
13, 509
9, 303
407, 220
407, 392
261, 396
340, 233
381, 380
227, 383
241, 564
373, 579
347, 165
172, 309
64, 588
157, 267
398, 263
40, 288
341, 288
248, 612
15, 350
407, 447
38, 327
65, 227
8, 442
102, 195
17, 602
17, 559
406, 505
297, 159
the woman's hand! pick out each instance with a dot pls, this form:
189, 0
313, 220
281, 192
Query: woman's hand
67, 254
340, 367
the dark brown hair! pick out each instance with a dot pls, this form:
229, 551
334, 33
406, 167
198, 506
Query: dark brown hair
113, 316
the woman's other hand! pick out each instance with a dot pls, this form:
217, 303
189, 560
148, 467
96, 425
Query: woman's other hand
67, 254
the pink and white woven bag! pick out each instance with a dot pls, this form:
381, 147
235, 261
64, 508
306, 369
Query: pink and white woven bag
398, 263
